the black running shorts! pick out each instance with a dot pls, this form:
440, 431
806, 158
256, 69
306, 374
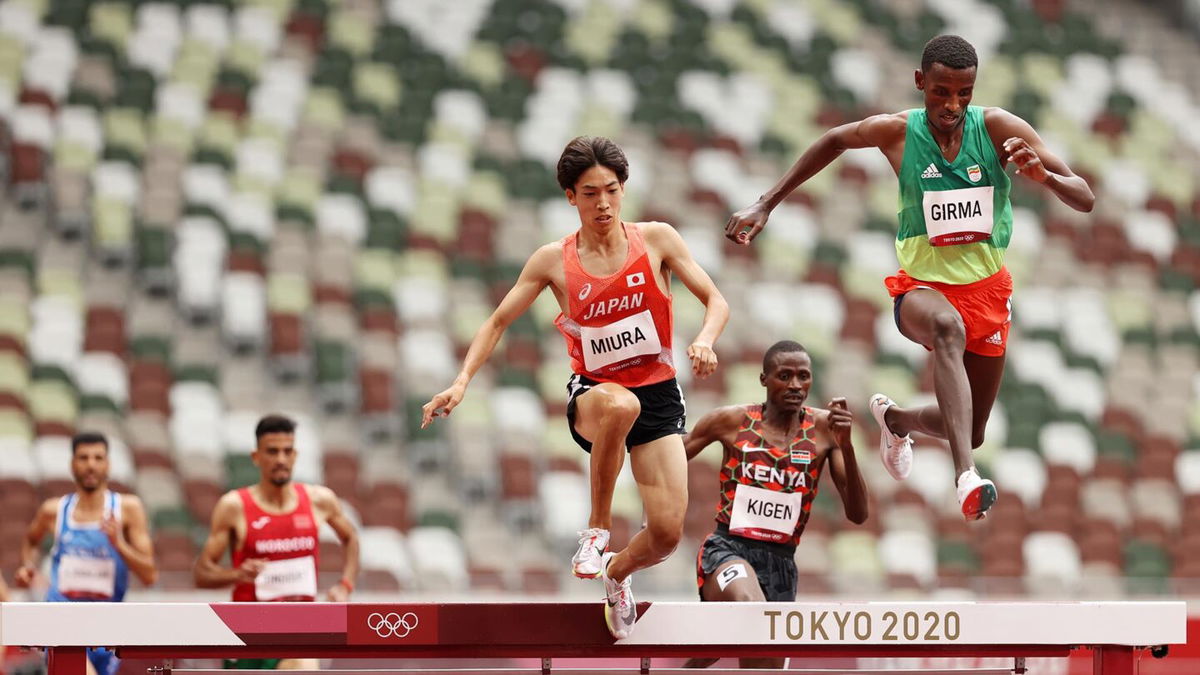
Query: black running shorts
662, 411
774, 564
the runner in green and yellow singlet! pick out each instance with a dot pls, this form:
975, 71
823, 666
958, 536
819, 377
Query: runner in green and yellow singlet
952, 293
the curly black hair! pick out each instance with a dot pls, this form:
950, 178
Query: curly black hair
949, 50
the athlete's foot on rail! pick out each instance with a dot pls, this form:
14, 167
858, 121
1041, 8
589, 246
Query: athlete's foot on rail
593, 542
620, 612
975, 494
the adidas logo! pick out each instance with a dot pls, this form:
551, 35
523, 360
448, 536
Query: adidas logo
931, 171
995, 339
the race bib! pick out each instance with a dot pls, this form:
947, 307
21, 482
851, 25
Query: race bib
295, 577
618, 341
963, 216
764, 514
87, 577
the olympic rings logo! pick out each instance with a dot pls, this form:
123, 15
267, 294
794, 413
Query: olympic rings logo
392, 624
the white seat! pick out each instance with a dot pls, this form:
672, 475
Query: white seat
1069, 444
19, 21
858, 71
79, 124
463, 110
244, 308
117, 180
32, 124
257, 25
438, 559
428, 361
104, 374
1080, 390
199, 263
1187, 472
612, 88
206, 184
421, 301
260, 159
49, 66
209, 24
56, 336
53, 456
933, 476
1052, 563
1153, 232
1156, 499
1106, 499
252, 214
342, 215
120, 460
17, 460
1021, 472
563, 512
519, 416
196, 414
909, 552
1040, 309
383, 548
180, 101
281, 90
391, 187
445, 163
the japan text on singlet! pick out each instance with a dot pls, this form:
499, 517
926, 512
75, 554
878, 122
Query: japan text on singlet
618, 327
767, 492
84, 564
955, 217
288, 542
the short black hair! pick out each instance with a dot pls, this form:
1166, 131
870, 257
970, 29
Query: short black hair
949, 50
88, 438
584, 152
781, 347
274, 424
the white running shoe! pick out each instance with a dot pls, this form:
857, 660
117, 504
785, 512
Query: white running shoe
593, 543
620, 611
975, 494
895, 451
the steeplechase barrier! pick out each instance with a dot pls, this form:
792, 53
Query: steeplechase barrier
1118, 632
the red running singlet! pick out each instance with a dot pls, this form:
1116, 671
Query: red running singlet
288, 542
767, 492
618, 327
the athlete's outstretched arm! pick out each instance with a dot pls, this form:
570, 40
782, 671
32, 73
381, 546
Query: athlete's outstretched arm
679, 260
209, 572
843, 465
31, 544
715, 426
132, 540
877, 131
1025, 148
533, 279
348, 536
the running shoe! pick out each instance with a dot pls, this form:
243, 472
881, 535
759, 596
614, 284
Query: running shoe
975, 494
895, 451
620, 612
593, 543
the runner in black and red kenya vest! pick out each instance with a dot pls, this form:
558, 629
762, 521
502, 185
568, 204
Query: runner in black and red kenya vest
612, 280
271, 529
774, 454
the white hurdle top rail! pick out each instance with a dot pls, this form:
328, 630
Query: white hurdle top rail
669, 629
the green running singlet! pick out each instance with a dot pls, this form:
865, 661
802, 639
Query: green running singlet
955, 217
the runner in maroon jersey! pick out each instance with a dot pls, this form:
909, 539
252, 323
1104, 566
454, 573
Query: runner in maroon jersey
612, 280
270, 528
774, 455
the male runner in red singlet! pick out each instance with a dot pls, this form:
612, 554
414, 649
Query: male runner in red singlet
774, 454
271, 530
612, 280
953, 293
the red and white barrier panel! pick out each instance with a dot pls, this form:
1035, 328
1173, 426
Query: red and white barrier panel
491, 630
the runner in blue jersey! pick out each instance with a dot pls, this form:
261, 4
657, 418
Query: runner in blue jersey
99, 538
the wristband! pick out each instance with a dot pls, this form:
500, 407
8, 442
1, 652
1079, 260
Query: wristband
347, 584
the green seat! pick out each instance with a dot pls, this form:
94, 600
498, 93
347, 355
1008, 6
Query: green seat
957, 555
332, 361
196, 372
1147, 567
240, 471
151, 348
175, 518
439, 518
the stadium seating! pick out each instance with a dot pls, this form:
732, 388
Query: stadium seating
216, 210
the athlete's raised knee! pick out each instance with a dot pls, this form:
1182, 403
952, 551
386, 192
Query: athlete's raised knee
665, 535
616, 404
948, 329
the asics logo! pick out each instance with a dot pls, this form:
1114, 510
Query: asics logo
392, 624
585, 291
